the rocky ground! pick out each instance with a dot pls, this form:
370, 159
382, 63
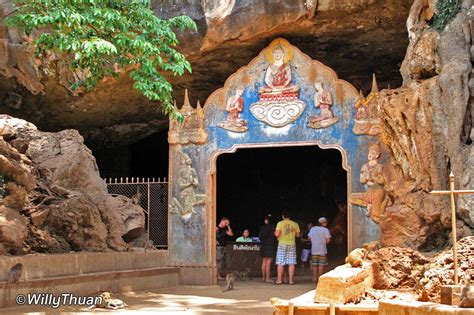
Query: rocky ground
54, 199
423, 274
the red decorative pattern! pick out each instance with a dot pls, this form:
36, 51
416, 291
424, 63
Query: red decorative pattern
284, 97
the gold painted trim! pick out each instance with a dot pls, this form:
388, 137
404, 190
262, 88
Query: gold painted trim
316, 63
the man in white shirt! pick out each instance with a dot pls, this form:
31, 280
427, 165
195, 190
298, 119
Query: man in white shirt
320, 237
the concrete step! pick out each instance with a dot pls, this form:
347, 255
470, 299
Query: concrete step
87, 274
94, 283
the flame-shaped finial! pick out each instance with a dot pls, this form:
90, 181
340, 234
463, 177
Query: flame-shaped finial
375, 87
186, 104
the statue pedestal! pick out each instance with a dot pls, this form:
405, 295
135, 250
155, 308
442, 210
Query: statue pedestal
344, 284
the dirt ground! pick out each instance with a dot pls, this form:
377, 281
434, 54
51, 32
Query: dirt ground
248, 297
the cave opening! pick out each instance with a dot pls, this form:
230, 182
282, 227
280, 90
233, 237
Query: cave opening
146, 158
306, 180
149, 156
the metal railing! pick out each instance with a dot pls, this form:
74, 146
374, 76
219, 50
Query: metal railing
152, 195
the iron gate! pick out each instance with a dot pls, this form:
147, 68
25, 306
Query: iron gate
152, 196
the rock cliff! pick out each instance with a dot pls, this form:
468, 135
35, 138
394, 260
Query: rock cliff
427, 127
230, 34
55, 200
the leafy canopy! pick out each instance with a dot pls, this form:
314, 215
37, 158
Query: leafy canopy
98, 36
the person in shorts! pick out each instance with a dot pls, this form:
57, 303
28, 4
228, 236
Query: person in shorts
320, 237
306, 244
286, 232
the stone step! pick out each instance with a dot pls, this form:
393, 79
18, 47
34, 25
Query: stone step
86, 273
54, 265
93, 283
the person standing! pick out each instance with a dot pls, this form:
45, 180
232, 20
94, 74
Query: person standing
306, 251
268, 247
223, 231
286, 232
320, 237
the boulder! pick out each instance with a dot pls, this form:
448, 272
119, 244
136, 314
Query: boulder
13, 230
78, 220
54, 184
131, 215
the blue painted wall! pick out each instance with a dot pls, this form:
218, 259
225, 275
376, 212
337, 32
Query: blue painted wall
190, 240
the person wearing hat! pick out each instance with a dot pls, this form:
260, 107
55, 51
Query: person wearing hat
320, 237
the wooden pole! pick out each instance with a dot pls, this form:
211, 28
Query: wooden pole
451, 192
453, 223
291, 308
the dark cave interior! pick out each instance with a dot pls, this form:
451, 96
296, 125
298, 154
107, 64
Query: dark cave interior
307, 181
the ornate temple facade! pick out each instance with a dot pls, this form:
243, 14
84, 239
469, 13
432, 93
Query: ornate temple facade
281, 98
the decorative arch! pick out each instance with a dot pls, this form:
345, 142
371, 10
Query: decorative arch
281, 98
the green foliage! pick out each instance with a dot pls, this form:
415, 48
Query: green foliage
446, 11
3, 192
98, 36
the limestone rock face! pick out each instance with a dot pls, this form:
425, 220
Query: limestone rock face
427, 127
340, 33
56, 200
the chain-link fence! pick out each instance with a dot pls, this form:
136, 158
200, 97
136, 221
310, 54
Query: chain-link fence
152, 196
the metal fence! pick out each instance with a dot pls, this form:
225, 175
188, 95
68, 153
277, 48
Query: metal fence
152, 196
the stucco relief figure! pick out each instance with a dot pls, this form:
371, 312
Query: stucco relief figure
187, 184
372, 175
323, 101
234, 108
367, 121
278, 103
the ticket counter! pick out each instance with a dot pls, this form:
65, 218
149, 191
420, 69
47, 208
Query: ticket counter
245, 255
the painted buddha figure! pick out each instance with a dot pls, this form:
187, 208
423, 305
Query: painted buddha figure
278, 77
279, 104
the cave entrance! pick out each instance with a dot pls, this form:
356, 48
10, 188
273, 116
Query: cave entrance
308, 181
316, 111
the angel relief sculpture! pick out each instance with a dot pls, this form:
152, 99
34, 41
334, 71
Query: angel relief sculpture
234, 108
187, 183
279, 103
323, 101
371, 174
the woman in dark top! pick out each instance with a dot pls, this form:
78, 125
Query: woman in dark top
268, 247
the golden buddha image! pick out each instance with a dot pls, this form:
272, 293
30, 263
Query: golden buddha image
279, 103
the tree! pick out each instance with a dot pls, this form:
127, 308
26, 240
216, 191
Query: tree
100, 36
